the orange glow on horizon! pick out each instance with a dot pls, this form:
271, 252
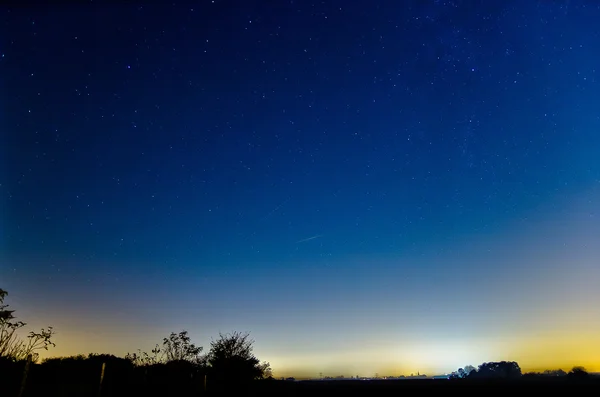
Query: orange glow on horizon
535, 352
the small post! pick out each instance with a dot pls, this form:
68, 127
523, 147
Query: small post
205, 383
25, 373
101, 379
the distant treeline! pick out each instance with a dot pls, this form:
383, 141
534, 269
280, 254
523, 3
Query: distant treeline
512, 370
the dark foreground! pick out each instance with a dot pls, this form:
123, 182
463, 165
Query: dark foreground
351, 388
471, 387
86, 378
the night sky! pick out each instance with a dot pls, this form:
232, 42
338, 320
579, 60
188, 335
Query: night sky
380, 186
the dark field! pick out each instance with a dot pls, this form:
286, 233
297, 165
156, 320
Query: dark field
71, 379
336, 388
426, 386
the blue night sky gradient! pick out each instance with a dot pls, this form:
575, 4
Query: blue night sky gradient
392, 186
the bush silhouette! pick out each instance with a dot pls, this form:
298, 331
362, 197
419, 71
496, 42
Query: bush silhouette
11, 345
231, 363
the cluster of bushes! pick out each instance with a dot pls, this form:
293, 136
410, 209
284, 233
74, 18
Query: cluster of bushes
175, 367
168, 371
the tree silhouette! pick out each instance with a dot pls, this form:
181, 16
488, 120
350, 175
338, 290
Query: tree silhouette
232, 363
11, 345
578, 372
468, 369
462, 373
5, 315
501, 369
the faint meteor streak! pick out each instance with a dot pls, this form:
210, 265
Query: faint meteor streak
275, 209
309, 238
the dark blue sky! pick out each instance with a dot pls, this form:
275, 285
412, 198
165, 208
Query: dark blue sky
227, 161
